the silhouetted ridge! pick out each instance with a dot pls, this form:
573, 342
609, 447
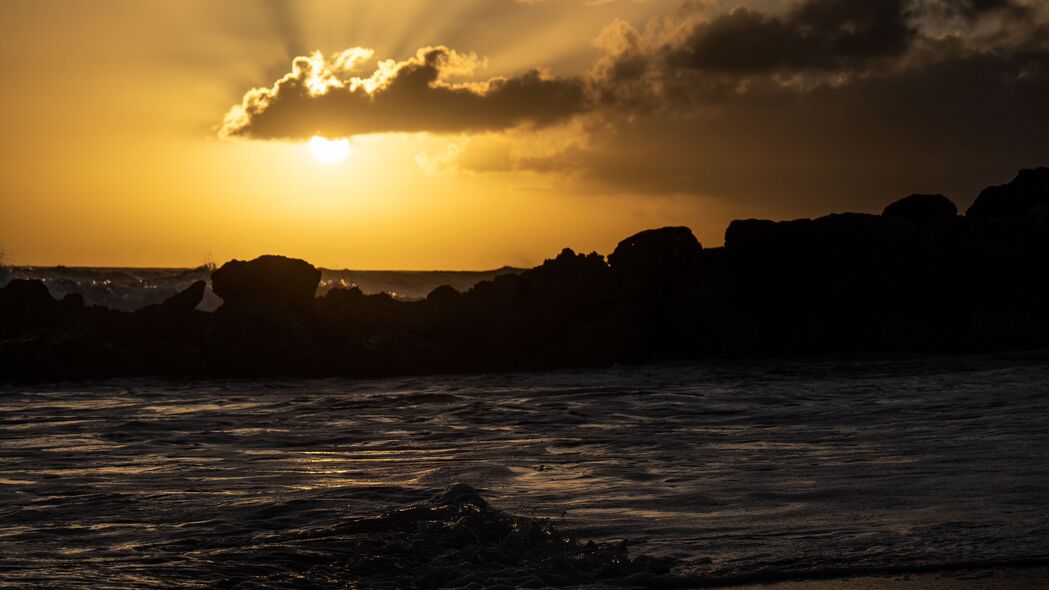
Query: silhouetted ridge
918, 278
1028, 191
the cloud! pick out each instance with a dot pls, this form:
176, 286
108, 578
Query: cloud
583, 2
323, 96
818, 34
974, 9
829, 104
823, 104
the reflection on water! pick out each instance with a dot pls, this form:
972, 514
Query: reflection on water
740, 469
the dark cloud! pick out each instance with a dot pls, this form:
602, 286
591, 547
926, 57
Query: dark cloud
974, 9
837, 120
818, 34
320, 97
956, 125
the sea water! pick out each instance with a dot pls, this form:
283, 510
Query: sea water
737, 471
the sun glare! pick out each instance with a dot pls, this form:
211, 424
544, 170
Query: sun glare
329, 151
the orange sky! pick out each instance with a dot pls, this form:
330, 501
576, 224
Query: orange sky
110, 152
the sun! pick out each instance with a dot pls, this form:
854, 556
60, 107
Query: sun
329, 151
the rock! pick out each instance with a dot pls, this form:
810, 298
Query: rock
27, 305
186, 300
260, 336
1027, 191
743, 235
656, 251
831, 237
290, 281
917, 278
339, 296
73, 301
444, 295
26, 294
921, 209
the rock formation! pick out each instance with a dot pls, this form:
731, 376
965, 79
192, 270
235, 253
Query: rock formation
918, 278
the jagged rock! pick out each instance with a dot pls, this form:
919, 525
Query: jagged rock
186, 300
1030, 189
921, 209
568, 277
287, 280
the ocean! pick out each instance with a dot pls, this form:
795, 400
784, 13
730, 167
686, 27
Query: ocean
737, 471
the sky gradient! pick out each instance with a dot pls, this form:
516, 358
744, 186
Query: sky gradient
492, 132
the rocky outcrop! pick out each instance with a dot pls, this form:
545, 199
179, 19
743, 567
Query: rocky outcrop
1027, 192
918, 278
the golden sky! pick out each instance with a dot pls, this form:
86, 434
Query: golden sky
166, 133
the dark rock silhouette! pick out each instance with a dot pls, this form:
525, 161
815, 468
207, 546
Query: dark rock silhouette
918, 278
1029, 190
289, 281
665, 251
921, 209
73, 300
25, 294
188, 299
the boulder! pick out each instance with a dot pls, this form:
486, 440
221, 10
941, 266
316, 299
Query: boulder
444, 295
186, 300
746, 235
73, 301
290, 281
1026, 192
665, 250
26, 293
921, 209
26, 303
